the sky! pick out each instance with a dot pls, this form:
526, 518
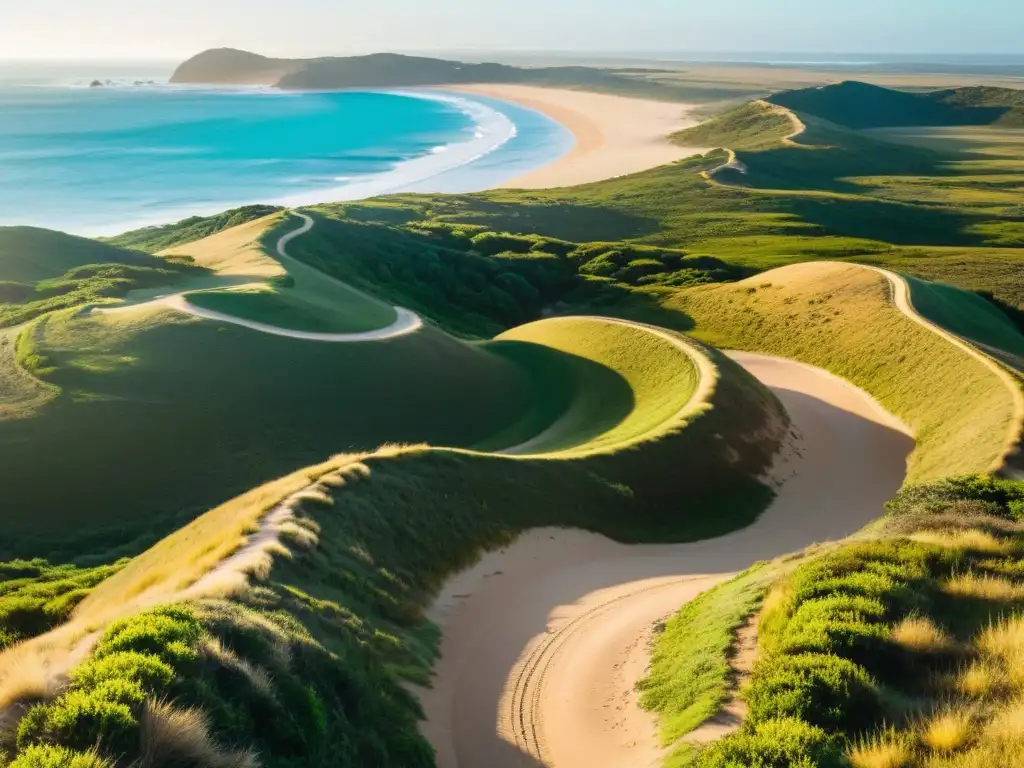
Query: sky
170, 29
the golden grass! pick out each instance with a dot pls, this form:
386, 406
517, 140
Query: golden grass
920, 634
948, 731
1008, 724
840, 317
174, 737
886, 750
972, 540
979, 680
983, 586
235, 252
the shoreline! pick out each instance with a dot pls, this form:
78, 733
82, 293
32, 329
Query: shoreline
615, 135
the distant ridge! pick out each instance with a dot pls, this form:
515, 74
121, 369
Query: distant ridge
228, 66
859, 105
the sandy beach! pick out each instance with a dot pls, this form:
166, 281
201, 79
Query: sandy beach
615, 135
545, 640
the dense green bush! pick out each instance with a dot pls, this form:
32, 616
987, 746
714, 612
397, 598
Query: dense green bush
776, 743
48, 756
971, 494
820, 689
36, 596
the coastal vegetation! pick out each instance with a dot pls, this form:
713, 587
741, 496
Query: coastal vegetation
159, 238
42, 271
328, 640
899, 648
284, 626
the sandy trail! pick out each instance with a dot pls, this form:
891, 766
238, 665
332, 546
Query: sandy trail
405, 323
903, 300
544, 641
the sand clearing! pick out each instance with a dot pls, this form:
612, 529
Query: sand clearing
615, 135
544, 641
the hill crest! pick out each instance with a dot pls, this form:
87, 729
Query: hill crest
858, 105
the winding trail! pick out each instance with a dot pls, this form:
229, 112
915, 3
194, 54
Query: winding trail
544, 641
406, 322
903, 299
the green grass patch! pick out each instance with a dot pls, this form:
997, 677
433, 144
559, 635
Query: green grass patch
839, 317
966, 314
286, 308
690, 677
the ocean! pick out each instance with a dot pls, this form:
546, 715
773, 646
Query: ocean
137, 152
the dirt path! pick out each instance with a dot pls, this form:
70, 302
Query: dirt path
544, 641
405, 323
904, 302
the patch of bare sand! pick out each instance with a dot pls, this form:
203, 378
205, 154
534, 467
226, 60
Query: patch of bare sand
615, 135
544, 641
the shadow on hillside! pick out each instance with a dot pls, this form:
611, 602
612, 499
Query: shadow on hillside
535, 215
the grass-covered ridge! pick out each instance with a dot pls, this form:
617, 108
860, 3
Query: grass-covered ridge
160, 238
42, 271
755, 125
391, 526
861, 105
841, 318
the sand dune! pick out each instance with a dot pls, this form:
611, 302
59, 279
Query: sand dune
544, 641
615, 135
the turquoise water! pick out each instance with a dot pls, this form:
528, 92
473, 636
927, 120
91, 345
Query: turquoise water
101, 160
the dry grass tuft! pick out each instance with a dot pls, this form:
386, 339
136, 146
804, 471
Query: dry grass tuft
258, 677
176, 738
949, 731
984, 587
1008, 724
298, 536
974, 540
1003, 640
920, 634
980, 681
885, 750
316, 495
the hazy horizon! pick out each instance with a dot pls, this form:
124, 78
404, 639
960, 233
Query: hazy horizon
114, 30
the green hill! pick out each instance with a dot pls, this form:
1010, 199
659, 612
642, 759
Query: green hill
29, 255
755, 125
42, 270
160, 238
860, 105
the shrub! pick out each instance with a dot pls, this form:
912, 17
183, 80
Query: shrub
492, 243
80, 720
171, 633
49, 756
994, 495
148, 671
823, 690
776, 743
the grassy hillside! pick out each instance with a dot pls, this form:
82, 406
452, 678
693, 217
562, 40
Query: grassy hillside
42, 270
755, 125
221, 408
861, 105
160, 238
901, 648
839, 317
347, 617
940, 214
967, 315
